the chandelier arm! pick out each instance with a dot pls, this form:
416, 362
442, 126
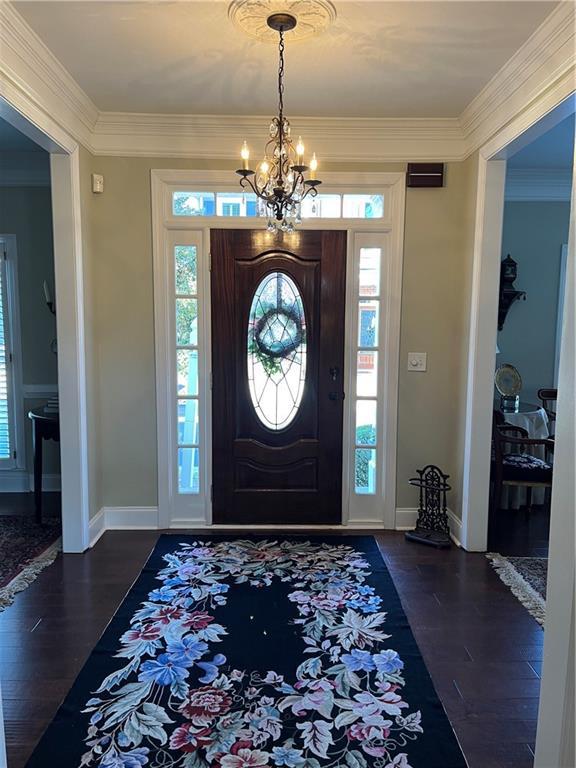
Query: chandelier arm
312, 191
246, 181
271, 200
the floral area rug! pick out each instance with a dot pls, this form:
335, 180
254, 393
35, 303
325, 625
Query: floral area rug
526, 577
241, 653
26, 548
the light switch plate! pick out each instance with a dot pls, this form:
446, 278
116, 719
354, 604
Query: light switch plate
97, 183
417, 361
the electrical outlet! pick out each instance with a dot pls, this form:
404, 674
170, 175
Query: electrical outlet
417, 361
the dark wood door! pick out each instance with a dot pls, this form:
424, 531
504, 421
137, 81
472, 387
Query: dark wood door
277, 376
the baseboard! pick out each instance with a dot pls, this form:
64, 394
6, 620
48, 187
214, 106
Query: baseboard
455, 525
146, 518
21, 481
49, 482
97, 527
130, 518
406, 520
14, 481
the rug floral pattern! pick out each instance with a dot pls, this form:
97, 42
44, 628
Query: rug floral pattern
21, 540
344, 706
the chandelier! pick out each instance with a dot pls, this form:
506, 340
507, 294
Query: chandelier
279, 181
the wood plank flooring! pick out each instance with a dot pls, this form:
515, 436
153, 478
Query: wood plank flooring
481, 646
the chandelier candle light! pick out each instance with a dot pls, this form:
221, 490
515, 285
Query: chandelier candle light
279, 179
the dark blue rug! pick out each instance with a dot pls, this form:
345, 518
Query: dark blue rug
250, 652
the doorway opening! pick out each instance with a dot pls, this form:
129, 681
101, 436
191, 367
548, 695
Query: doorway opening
30, 508
531, 302
63, 292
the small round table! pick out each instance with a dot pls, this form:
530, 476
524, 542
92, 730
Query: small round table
45, 426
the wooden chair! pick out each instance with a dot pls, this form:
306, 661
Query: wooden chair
512, 465
548, 399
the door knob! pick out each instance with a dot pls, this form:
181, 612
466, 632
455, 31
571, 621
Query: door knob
336, 396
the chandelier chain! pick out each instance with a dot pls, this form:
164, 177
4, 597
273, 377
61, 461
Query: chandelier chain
281, 100
279, 180
281, 77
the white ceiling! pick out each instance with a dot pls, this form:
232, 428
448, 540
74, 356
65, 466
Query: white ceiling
379, 59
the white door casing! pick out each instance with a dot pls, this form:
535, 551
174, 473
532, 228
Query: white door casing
369, 511
18, 106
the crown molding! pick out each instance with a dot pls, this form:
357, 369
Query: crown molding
219, 136
538, 185
535, 79
33, 81
542, 70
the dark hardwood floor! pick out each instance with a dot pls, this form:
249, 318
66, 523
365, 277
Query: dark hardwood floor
520, 532
481, 646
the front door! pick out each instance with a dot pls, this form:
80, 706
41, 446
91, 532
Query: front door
277, 376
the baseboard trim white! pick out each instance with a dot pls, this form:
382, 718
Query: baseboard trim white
455, 525
146, 519
97, 527
21, 481
14, 481
49, 482
131, 518
406, 520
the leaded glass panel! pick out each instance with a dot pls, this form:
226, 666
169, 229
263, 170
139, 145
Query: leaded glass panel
276, 350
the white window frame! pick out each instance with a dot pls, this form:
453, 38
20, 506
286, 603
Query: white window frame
358, 510
9, 266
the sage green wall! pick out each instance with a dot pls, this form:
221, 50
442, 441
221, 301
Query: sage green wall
27, 213
533, 234
434, 304
91, 336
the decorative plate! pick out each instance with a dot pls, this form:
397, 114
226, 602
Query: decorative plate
507, 380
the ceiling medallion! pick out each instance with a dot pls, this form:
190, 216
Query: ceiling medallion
279, 179
313, 17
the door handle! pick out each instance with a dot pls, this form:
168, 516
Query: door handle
336, 396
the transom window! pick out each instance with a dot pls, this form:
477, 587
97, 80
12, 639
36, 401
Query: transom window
242, 204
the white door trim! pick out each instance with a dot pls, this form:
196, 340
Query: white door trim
560, 310
547, 111
163, 183
19, 108
555, 744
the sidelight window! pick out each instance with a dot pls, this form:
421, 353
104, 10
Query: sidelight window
186, 302
276, 350
366, 433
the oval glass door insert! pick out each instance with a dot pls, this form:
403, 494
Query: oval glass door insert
276, 350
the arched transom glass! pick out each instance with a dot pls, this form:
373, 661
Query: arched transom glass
276, 350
